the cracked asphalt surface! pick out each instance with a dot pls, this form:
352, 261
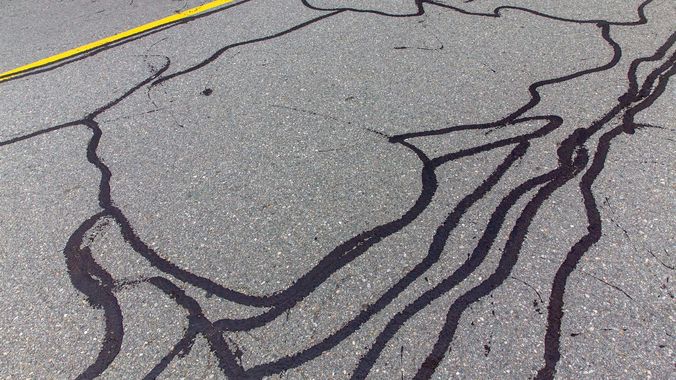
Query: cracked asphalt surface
329, 189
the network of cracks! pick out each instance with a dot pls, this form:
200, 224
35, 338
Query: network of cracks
580, 157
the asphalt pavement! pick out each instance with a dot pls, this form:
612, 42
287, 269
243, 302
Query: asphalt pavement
331, 189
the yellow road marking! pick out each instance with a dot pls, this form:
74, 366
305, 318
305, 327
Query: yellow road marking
116, 37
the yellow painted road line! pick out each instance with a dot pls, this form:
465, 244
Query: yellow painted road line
114, 38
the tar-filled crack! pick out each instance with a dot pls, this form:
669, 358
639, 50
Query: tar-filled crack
581, 157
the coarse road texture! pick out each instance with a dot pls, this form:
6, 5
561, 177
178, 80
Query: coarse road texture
324, 189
